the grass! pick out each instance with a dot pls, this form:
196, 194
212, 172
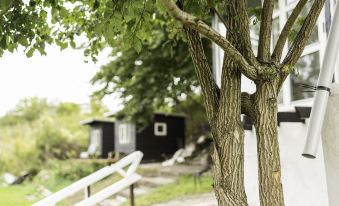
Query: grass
16, 195
184, 186
58, 174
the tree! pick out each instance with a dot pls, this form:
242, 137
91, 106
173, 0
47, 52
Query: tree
135, 77
129, 22
224, 106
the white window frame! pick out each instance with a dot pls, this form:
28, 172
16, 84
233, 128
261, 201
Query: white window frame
319, 46
157, 132
124, 137
95, 140
280, 13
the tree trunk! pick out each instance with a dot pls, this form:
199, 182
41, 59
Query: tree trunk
228, 154
265, 121
228, 169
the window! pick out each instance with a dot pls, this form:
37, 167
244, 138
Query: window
275, 31
297, 26
307, 71
160, 129
308, 67
95, 141
124, 137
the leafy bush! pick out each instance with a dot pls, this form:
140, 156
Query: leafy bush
55, 142
60, 173
36, 132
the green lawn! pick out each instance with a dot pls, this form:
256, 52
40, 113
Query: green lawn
184, 186
16, 195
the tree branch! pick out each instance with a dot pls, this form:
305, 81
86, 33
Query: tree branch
276, 56
193, 22
265, 31
210, 90
304, 34
238, 25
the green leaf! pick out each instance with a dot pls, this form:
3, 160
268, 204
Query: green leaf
3, 42
137, 45
30, 52
23, 41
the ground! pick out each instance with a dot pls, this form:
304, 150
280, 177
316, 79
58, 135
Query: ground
206, 199
160, 186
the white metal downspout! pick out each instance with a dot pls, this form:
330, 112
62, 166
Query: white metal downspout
323, 91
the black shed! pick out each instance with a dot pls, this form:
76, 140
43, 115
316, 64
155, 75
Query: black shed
101, 137
161, 138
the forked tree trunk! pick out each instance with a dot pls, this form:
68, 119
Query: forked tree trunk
222, 105
228, 151
265, 121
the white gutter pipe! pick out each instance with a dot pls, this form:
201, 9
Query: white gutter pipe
323, 90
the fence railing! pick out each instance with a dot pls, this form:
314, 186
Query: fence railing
129, 178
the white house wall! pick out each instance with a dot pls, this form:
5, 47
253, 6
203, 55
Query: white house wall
304, 180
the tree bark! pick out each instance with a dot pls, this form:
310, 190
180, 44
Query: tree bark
228, 169
223, 113
265, 122
228, 154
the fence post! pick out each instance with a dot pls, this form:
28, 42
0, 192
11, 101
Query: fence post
87, 191
131, 191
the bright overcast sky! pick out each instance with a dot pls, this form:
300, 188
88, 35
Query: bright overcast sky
59, 76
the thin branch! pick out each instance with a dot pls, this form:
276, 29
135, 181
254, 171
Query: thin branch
195, 23
238, 25
214, 11
265, 31
304, 34
204, 74
276, 56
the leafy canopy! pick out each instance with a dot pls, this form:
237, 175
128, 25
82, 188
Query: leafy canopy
34, 23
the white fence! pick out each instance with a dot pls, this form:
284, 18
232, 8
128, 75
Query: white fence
129, 177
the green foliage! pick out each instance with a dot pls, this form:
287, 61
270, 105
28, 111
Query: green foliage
129, 23
196, 120
148, 80
28, 110
53, 132
97, 107
66, 108
31, 109
55, 142
24, 24
57, 174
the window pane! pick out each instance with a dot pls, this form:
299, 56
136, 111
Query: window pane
280, 97
307, 71
254, 33
275, 31
297, 26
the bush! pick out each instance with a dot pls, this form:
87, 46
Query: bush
34, 133
55, 142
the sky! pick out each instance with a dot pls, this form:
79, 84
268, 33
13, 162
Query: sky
59, 76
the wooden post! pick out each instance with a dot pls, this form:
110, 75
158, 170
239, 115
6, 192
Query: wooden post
87, 191
131, 190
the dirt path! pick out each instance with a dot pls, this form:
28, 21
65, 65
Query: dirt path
207, 199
